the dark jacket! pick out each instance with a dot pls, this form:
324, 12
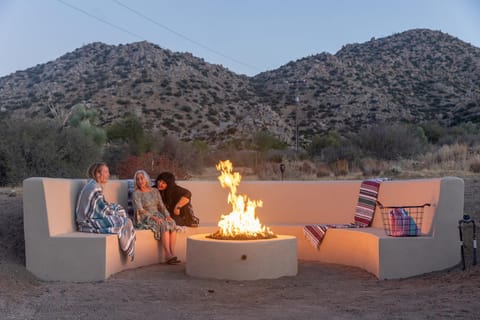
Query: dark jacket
172, 194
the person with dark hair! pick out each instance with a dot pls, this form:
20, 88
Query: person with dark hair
152, 214
177, 199
93, 213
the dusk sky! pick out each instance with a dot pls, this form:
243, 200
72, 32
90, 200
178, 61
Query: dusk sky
245, 36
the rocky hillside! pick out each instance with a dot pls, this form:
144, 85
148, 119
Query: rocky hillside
414, 76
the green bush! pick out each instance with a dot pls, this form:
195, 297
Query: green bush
331, 147
264, 141
130, 130
39, 148
390, 141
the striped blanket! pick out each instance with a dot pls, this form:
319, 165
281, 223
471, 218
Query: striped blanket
363, 216
94, 214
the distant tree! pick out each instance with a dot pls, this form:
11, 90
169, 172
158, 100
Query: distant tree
86, 119
131, 131
320, 142
433, 131
36, 148
264, 141
76, 150
114, 153
466, 133
331, 148
390, 141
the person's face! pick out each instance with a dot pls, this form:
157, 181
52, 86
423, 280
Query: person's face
161, 185
141, 181
102, 175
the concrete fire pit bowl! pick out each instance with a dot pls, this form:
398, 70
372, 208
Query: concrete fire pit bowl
241, 259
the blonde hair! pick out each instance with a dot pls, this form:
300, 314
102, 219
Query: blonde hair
94, 169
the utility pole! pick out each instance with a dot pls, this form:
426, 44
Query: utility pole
297, 100
295, 84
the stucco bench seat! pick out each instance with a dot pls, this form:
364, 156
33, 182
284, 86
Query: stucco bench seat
56, 251
394, 257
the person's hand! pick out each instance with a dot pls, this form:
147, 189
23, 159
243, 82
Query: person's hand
176, 211
158, 220
169, 218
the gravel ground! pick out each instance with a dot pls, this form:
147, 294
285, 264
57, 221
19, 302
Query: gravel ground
164, 291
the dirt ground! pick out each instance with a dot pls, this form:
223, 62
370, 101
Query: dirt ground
165, 292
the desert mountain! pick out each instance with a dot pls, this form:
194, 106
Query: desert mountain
415, 76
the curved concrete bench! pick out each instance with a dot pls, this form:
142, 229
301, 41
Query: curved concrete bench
56, 251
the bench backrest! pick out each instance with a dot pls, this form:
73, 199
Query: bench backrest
311, 202
410, 193
53, 202
284, 202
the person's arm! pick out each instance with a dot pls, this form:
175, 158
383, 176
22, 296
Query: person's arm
162, 208
160, 205
180, 204
137, 206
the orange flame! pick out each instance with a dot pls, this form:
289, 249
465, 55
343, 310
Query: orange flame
241, 222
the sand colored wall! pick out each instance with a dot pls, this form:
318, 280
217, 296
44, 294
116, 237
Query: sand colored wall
55, 251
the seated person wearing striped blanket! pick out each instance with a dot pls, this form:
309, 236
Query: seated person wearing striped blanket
95, 214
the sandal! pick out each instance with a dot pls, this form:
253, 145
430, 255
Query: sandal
173, 260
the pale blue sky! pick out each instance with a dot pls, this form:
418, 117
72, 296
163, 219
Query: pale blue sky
245, 36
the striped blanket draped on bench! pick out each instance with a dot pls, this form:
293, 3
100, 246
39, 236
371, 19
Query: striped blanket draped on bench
363, 217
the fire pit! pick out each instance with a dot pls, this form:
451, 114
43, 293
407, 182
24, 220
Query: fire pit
242, 249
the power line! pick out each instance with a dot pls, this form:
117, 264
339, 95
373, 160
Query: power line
185, 37
157, 24
101, 20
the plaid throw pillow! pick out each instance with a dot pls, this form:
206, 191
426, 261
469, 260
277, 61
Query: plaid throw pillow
402, 224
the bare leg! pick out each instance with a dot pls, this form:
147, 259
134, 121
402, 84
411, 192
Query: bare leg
173, 240
166, 244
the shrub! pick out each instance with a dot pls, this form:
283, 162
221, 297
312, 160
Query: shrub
323, 170
475, 165
305, 170
395, 170
189, 155
130, 130
448, 157
390, 142
340, 167
331, 147
433, 131
152, 164
456, 153
372, 167
265, 141
39, 148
